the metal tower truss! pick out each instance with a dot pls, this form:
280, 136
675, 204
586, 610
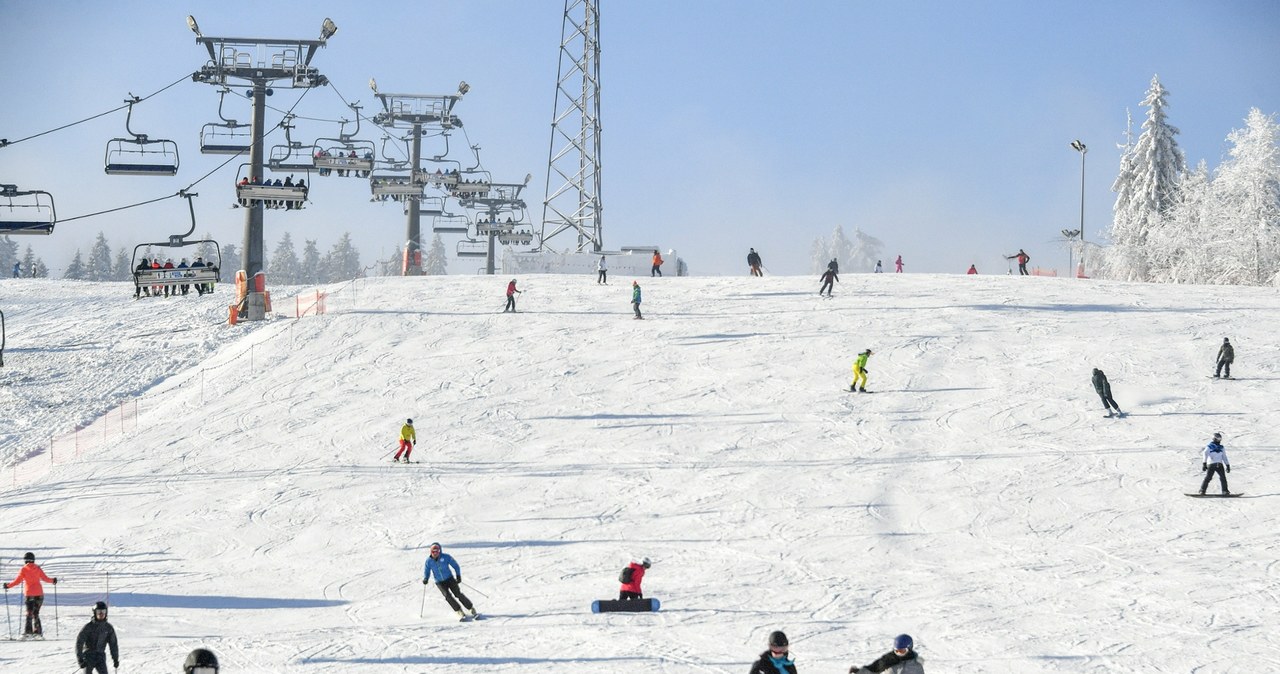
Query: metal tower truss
572, 201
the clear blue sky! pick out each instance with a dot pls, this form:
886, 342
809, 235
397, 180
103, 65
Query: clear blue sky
941, 128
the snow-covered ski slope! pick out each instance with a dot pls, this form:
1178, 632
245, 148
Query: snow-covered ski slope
978, 499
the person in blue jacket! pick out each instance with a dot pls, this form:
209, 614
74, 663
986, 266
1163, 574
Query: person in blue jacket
447, 575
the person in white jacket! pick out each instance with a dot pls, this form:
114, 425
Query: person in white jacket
602, 272
1215, 459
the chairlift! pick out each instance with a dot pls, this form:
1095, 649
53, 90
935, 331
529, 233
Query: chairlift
26, 211
471, 183
486, 226
140, 155
253, 190
473, 248
349, 156
292, 156
395, 182
227, 136
516, 238
448, 223
150, 280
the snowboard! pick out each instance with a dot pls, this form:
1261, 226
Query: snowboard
624, 605
1231, 495
1213, 377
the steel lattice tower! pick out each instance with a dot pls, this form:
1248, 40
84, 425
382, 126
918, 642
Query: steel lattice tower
572, 201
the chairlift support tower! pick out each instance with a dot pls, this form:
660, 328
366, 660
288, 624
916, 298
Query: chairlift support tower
259, 62
497, 198
412, 112
572, 201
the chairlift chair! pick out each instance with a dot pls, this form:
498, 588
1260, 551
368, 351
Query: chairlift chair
225, 138
290, 197
448, 223
176, 277
516, 238
26, 211
336, 153
140, 155
473, 248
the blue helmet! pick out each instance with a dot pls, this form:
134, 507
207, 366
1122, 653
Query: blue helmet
902, 642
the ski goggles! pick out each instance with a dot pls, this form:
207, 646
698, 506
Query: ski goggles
778, 650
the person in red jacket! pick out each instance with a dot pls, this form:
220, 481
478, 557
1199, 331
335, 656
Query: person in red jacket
30, 575
973, 269
632, 590
511, 297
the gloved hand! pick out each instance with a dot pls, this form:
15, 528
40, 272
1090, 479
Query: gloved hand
54, 580
424, 581
459, 577
1204, 467
116, 663
6, 586
1228, 468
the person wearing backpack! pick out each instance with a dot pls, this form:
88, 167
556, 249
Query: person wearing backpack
631, 577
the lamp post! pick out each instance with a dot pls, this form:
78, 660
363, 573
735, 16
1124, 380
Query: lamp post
1080, 147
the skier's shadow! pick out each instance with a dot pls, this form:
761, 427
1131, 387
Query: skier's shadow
197, 601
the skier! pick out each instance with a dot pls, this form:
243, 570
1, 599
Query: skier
1022, 258
1103, 387
635, 298
602, 272
834, 266
657, 265
17, 269
1226, 356
879, 269
447, 575
92, 643
860, 372
973, 270
30, 575
408, 437
631, 588
828, 278
901, 660
511, 297
753, 261
200, 661
776, 660
1215, 458
897, 265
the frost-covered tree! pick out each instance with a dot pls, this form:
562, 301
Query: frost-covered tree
857, 254
437, 259
285, 268
1247, 190
122, 270
98, 266
33, 266
1146, 187
392, 266
230, 261
342, 261
8, 255
311, 262
1181, 249
76, 271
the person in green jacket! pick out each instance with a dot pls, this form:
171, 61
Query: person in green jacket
860, 372
635, 298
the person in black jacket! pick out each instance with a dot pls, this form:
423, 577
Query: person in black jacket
828, 277
901, 660
776, 660
753, 261
92, 643
1226, 355
1103, 387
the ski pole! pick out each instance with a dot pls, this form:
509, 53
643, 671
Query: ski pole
8, 616
55, 610
473, 588
422, 609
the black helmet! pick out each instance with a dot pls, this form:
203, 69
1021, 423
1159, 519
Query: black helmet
409, 421
29, 557
200, 658
100, 606
777, 639
903, 642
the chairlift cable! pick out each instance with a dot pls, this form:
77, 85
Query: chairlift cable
88, 119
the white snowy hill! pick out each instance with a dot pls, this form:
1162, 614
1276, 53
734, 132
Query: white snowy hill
977, 499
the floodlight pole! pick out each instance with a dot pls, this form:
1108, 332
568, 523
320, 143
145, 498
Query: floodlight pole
1080, 147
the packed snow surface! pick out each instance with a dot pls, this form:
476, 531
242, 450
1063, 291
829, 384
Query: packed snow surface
977, 499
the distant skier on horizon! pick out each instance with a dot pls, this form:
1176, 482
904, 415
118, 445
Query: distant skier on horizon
1103, 387
511, 297
829, 277
656, 270
1226, 356
879, 267
973, 270
753, 261
602, 272
834, 266
1022, 258
860, 372
897, 264
635, 298
1214, 460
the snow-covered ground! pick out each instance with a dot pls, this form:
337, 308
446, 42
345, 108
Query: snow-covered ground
978, 499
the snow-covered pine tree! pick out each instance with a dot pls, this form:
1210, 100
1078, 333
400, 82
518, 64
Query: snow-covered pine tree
437, 259
8, 255
310, 262
98, 266
1247, 192
32, 266
230, 262
1146, 187
285, 268
122, 269
76, 270
343, 261
863, 252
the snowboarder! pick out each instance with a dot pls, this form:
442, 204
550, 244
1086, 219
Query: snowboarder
602, 272
30, 575
860, 372
1215, 459
776, 660
408, 437
92, 643
973, 269
901, 660
447, 575
879, 269
897, 265
1226, 355
17, 269
631, 581
657, 265
1103, 387
511, 297
635, 298
200, 661
1022, 258
753, 261
828, 278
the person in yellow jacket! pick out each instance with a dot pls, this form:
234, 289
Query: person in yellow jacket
860, 372
407, 438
